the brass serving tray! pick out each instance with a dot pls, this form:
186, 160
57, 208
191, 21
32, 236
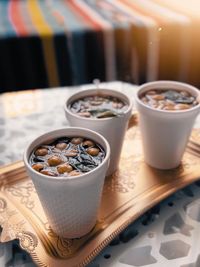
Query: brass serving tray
131, 191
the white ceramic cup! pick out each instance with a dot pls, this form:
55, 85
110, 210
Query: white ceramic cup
165, 133
113, 129
70, 203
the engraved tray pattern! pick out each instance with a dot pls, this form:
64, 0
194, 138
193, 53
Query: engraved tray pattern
127, 194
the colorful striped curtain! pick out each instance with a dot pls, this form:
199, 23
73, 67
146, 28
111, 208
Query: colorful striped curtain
49, 43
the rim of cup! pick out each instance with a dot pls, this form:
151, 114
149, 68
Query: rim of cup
91, 91
50, 136
167, 84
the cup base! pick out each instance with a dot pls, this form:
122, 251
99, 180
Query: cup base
75, 235
164, 168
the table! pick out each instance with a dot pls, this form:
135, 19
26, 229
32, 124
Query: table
167, 235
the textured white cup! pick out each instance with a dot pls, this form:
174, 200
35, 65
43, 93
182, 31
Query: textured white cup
113, 129
70, 203
165, 133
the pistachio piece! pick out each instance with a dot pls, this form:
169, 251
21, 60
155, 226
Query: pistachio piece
88, 143
42, 151
54, 160
49, 173
38, 166
64, 168
74, 173
77, 140
61, 146
93, 151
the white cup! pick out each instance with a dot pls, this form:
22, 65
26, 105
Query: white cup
165, 133
70, 203
113, 128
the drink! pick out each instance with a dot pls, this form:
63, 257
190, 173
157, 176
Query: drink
166, 126
168, 99
104, 111
98, 106
70, 194
67, 156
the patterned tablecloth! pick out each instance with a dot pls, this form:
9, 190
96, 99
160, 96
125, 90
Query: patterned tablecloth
167, 235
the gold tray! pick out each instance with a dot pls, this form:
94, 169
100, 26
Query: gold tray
127, 194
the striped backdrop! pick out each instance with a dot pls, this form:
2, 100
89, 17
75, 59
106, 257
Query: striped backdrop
49, 43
